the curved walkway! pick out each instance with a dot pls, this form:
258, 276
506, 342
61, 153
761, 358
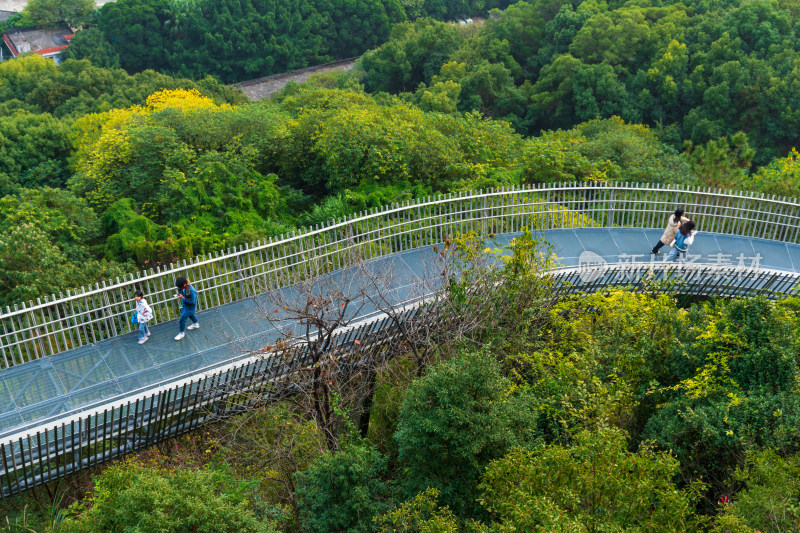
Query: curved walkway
78, 390
81, 380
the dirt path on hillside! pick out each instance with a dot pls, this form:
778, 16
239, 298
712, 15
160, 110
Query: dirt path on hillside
264, 87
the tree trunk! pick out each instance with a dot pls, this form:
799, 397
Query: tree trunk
366, 403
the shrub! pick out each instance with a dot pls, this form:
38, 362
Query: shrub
420, 515
770, 500
597, 485
454, 421
133, 498
343, 491
741, 395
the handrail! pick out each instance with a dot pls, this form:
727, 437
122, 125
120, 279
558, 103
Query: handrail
97, 436
105, 432
353, 219
57, 323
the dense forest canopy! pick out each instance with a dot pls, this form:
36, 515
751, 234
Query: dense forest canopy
611, 412
696, 70
237, 40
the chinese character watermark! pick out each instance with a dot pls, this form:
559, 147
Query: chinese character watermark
631, 268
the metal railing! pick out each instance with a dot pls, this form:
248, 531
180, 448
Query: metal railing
57, 323
671, 278
94, 313
82, 442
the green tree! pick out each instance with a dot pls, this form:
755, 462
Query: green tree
587, 362
343, 491
46, 240
31, 266
558, 35
91, 44
441, 97
414, 53
522, 26
359, 25
781, 177
723, 163
77, 88
453, 422
131, 497
419, 515
601, 150
487, 88
595, 485
135, 30
733, 391
180, 177
769, 500
53, 12
341, 140
33, 151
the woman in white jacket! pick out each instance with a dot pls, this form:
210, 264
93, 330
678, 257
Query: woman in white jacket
143, 314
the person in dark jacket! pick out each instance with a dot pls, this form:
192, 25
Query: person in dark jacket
188, 296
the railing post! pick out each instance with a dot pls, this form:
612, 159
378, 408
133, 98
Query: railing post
240, 275
484, 215
94, 314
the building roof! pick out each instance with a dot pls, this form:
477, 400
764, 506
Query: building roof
5, 14
40, 41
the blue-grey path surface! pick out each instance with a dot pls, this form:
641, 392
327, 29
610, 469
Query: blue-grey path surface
81, 380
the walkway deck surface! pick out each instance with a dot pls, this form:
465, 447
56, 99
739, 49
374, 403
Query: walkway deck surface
81, 380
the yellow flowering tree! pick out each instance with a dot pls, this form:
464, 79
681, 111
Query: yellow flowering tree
781, 177
176, 177
359, 140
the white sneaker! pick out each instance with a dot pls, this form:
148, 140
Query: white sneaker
148, 334
194, 326
180, 335
144, 340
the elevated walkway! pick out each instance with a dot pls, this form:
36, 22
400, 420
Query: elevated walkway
79, 380
70, 360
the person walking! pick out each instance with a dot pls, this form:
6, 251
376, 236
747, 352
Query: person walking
675, 220
683, 239
144, 313
188, 296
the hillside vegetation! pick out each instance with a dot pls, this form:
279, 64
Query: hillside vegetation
610, 412
606, 412
697, 70
543, 91
237, 40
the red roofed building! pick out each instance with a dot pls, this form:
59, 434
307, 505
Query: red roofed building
46, 43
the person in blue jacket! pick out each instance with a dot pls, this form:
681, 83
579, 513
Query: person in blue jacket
188, 296
683, 239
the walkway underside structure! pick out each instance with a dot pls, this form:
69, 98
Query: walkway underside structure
77, 390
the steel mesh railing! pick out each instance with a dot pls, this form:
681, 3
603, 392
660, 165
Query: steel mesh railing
670, 278
57, 323
82, 442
